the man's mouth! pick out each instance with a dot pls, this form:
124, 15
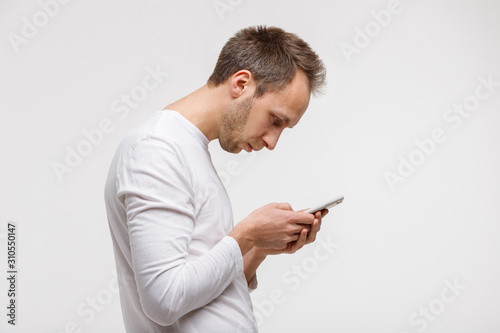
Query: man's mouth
248, 148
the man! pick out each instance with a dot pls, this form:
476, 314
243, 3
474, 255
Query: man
182, 265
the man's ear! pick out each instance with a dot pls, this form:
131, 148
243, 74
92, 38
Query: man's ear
240, 83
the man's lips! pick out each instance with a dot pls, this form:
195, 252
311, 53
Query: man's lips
248, 148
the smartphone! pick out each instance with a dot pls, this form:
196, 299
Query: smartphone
326, 205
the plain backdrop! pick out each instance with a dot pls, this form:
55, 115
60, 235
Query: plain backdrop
420, 255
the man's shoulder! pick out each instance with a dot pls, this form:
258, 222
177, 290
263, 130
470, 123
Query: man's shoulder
159, 130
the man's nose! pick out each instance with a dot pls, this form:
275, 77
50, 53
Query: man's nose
271, 140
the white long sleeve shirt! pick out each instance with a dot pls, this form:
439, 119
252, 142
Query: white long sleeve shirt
169, 216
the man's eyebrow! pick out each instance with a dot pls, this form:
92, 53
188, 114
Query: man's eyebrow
284, 117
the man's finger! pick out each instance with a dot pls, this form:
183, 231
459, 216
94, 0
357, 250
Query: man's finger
303, 218
283, 205
311, 237
297, 228
300, 242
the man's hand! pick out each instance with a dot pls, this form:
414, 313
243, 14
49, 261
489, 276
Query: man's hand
253, 255
305, 237
275, 227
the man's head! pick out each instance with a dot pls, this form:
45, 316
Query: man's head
270, 74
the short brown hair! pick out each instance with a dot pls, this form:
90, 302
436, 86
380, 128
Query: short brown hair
272, 55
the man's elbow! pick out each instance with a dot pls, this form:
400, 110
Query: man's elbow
162, 312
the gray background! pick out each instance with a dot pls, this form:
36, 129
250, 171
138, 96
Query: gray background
394, 248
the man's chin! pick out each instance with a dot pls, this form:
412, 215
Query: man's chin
232, 150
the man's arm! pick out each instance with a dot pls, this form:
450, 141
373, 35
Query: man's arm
159, 204
252, 260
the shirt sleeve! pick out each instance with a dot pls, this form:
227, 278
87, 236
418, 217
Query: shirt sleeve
157, 195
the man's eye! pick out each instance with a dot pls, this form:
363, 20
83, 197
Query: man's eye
276, 121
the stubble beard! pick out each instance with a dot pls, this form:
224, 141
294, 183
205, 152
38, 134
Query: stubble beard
233, 121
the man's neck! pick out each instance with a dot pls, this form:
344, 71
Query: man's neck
203, 108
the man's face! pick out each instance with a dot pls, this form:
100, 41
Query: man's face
254, 123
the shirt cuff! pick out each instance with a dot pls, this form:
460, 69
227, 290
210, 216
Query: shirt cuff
236, 254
